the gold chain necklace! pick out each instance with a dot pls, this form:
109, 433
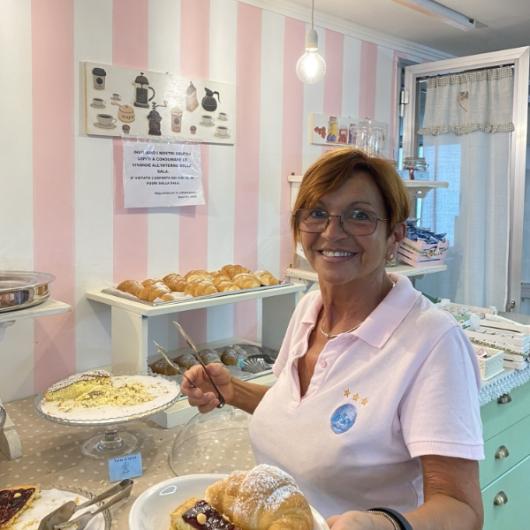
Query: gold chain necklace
331, 336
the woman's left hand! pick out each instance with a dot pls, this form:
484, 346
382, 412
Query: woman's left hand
359, 521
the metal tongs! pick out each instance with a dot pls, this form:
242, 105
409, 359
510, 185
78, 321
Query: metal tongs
59, 518
162, 351
191, 344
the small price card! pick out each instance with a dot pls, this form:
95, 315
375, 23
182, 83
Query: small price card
127, 466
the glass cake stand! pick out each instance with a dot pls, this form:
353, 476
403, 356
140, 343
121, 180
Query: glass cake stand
111, 441
217, 442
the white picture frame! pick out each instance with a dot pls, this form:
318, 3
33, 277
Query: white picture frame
130, 103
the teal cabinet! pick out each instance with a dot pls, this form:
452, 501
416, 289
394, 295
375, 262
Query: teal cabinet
500, 414
505, 472
506, 499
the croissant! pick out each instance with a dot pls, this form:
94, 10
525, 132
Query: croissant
227, 286
245, 280
199, 277
144, 293
197, 272
264, 498
172, 297
220, 277
156, 292
149, 282
200, 288
130, 286
232, 270
204, 288
266, 278
175, 282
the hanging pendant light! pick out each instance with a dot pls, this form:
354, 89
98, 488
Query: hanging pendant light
311, 67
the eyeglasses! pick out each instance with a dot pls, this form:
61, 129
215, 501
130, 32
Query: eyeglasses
354, 222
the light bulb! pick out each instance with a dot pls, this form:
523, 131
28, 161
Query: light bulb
311, 67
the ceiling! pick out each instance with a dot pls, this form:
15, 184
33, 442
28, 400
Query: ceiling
507, 21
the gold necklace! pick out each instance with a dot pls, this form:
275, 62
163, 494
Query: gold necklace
331, 336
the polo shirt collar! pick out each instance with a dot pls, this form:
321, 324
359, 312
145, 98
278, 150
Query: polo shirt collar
384, 319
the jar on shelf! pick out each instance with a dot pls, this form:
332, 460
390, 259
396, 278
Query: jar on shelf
333, 129
416, 167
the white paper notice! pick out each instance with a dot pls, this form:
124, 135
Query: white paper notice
161, 175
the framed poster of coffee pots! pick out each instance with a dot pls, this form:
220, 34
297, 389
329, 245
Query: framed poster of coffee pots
126, 102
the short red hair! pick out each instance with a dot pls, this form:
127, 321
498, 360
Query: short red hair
336, 166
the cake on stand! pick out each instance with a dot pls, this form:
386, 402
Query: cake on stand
112, 441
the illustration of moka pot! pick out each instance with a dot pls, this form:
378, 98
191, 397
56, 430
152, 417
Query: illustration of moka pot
142, 87
208, 101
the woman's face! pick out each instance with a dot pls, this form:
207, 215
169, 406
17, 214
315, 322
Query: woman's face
339, 257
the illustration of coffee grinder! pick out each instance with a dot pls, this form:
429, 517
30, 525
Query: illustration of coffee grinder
98, 78
142, 87
155, 119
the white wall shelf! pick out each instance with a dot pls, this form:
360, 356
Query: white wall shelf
9, 439
413, 184
47, 308
146, 310
405, 270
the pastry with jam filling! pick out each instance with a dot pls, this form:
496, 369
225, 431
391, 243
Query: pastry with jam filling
14, 501
198, 514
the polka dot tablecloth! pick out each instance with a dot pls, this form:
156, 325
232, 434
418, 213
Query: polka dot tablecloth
52, 457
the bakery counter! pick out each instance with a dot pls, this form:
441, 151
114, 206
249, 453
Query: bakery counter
53, 458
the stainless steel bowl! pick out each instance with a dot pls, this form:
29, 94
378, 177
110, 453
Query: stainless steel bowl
21, 289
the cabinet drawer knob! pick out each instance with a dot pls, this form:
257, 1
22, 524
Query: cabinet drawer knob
504, 399
500, 499
502, 453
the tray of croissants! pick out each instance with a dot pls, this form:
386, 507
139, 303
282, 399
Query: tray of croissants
264, 497
175, 287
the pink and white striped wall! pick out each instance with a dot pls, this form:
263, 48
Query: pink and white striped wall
62, 208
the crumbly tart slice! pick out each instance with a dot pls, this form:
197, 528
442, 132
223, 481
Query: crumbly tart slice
77, 384
14, 501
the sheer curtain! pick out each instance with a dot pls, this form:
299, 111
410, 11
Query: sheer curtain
466, 141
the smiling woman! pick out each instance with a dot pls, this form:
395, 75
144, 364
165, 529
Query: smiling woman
349, 218
376, 397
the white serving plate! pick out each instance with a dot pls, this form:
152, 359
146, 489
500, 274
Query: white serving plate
152, 508
164, 392
49, 500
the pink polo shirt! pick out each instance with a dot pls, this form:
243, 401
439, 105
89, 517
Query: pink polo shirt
403, 384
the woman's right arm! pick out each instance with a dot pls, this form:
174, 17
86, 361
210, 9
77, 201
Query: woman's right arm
247, 396
240, 394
